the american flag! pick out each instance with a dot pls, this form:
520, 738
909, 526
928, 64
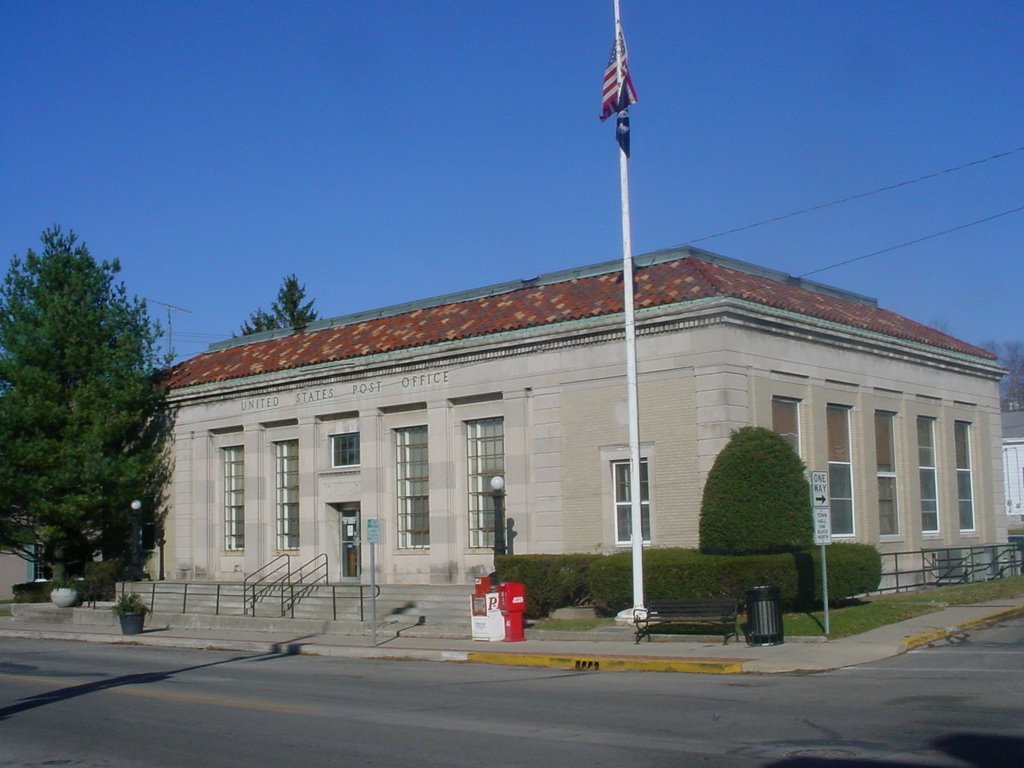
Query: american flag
618, 92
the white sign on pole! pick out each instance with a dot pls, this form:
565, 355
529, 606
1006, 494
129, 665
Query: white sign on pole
373, 531
822, 527
822, 513
819, 489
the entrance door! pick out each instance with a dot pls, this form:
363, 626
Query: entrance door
349, 519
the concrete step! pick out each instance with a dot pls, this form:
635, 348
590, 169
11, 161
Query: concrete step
426, 610
45, 613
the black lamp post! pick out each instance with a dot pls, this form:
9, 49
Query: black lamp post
135, 566
498, 494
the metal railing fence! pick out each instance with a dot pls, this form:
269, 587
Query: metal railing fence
949, 565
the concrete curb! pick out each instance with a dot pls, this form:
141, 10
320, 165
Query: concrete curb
602, 662
920, 639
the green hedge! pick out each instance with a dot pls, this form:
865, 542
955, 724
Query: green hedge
552, 581
853, 569
32, 592
101, 580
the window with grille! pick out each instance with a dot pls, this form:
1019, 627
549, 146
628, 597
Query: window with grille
345, 450
623, 502
485, 455
885, 462
840, 469
413, 474
927, 474
234, 498
286, 481
964, 481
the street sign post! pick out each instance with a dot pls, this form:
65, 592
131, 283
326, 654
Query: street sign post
822, 529
373, 539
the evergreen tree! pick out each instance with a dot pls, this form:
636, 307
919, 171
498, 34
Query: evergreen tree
83, 424
756, 499
289, 310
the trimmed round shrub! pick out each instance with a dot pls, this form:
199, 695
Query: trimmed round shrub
756, 499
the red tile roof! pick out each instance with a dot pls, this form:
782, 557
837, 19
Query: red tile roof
535, 303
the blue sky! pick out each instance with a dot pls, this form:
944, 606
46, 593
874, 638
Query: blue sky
389, 151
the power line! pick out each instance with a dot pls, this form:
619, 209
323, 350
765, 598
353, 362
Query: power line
914, 242
859, 195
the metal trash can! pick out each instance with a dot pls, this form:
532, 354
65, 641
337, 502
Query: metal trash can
764, 616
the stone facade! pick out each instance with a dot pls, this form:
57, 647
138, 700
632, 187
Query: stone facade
707, 366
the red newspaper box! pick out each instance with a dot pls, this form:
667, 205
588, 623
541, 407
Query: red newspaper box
512, 602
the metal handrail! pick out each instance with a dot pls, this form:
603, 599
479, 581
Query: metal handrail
217, 597
261, 583
306, 576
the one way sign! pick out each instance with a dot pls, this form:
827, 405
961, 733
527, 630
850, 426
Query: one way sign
822, 514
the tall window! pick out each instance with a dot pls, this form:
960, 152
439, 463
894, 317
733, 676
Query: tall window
345, 450
234, 498
840, 469
926, 472
485, 452
623, 502
286, 482
885, 462
786, 421
413, 472
964, 483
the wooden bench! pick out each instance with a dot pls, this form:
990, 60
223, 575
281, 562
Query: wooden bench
717, 611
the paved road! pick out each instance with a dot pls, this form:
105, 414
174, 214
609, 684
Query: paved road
86, 705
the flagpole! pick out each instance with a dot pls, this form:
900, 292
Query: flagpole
632, 394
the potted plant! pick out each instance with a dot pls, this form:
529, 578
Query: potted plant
131, 612
63, 592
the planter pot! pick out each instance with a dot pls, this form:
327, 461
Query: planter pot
131, 623
64, 597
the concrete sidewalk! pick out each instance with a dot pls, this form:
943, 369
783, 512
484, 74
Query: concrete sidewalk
594, 650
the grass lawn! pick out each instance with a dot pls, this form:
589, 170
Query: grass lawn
862, 615
853, 617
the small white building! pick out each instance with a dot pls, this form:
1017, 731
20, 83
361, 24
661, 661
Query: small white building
288, 442
1013, 466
